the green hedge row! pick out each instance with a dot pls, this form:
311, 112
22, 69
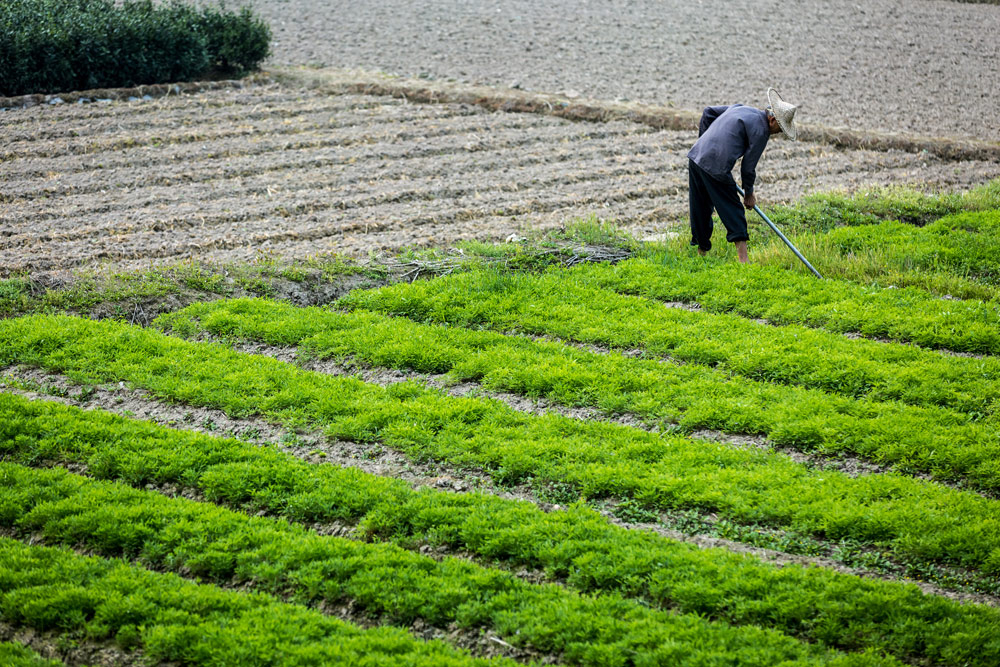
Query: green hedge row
58, 45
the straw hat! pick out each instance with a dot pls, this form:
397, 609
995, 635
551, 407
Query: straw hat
783, 111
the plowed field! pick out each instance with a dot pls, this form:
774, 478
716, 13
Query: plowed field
235, 173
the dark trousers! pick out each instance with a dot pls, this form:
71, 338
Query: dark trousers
706, 193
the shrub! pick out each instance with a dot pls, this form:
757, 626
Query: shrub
55, 45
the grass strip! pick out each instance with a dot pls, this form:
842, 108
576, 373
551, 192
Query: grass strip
782, 296
823, 211
279, 558
18, 655
793, 355
576, 545
174, 620
927, 438
953, 257
967, 244
915, 518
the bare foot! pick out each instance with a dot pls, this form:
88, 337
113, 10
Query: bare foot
741, 250
702, 252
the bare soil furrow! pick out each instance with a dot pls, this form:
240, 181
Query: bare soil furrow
504, 164
235, 143
55, 126
357, 191
486, 132
230, 224
219, 130
373, 458
151, 99
81, 651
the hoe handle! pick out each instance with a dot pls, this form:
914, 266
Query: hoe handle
781, 236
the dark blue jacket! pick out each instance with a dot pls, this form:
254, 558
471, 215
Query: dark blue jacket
727, 133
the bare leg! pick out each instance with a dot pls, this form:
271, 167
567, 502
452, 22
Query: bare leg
741, 250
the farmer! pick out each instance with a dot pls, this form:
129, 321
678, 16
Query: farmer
725, 134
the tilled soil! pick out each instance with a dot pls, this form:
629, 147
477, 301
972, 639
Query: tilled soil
929, 67
276, 171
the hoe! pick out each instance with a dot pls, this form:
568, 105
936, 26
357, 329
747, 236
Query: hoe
782, 236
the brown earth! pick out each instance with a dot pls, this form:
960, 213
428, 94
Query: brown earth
280, 170
928, 67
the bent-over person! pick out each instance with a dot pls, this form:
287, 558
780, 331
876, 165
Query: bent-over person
726, 134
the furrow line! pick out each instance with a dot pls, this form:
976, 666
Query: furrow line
342, 171
495, 137
176, 136
589, 165
408, 190
160, 99
82, 651
257, 229
45, 128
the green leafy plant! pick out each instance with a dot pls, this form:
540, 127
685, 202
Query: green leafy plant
59, 45
601, 460
576, 545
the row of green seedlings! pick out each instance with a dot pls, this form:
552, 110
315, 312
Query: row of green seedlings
555, 305
925, 439
781, 296
382, 580
175, 621
692, 522
915, 519
505, 363
13, 654
582, 305
738, 397
956, 255
622, 576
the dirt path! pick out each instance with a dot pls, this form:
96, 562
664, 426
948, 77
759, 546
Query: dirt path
275, 170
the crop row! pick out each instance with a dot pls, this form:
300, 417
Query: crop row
626, 298
792, 355
575, 545
922, 438
965, 244
173, 620
916, 518
693, 396
796, 297
229, 548
18, 655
